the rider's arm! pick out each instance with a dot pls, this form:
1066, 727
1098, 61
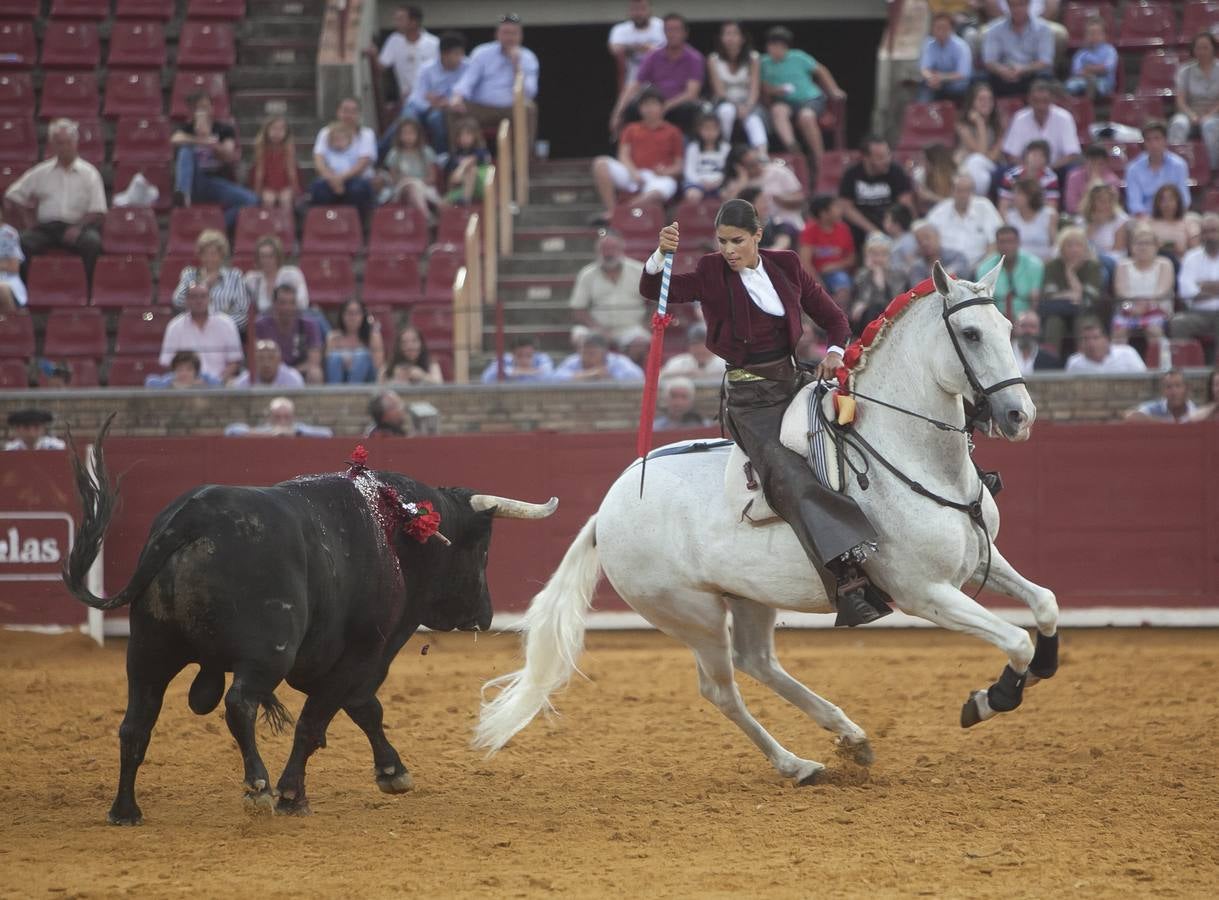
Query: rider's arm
824, 312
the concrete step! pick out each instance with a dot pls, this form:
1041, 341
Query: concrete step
256, 104
311, 9
551, 216
544, 263
564, 192
555, 240
553, 314
290, 28
274, 51
545, 167
270, 75
552, 339
535, 288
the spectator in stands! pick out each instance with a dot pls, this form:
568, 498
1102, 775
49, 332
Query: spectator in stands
1073, 285
1198, 285
605, 299
966, 222
206, 157
1020, 278
1036, 221
931, 249
1043, 120
876, 282
1035, 167
649, 160
775, 235
630, 41
428, 102
28, 431
1016, 50
355, 352
522, 363
270, 370
1098, 356
410, 362
260, 283
896, 226
281, 421
465, 166
1173, 406
1095, 170
1094, 66
734, 70
635, 346
1026, 344
776, 180
342, 172
675, 72
932, 175
1176, 229
275, 179
827, 248
1210, 409
979, 137
1143, 289
408, 49
185, 371
706, 159
871, 186
206, 331
12, 288
697, 362
223, 282
795, 88
484, 90
409, 172
1155, 167
946, 65
1197, 98
677, 405
595, 362
53, 375
65, 197
1103, 218
299, 338
388, 414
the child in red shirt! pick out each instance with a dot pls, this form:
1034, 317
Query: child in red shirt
275, 180
827, 248
649, 159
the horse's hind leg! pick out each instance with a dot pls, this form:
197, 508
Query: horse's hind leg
753, 652
1004, 579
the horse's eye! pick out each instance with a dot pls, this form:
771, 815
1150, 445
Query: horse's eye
972, 335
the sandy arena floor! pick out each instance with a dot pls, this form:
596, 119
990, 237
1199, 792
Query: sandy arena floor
1102, 784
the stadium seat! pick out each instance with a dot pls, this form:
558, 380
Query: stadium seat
1198, 16
1075, 17
71, 95
91, 140
16, 335
213, 84
224, 10
387, 319
1146, 26
169, 271
928, 123
11, 171
1158, 73
18, 139
1195, 155
332, 229
1186, 353
121, 281
1008, 107
56, 281
833, 164
797, 163
158, 176
136, 45
206, 46
443, 261
131, 371
80, 9
687, 260
1132, 109
133, 94
185, 223
143, 140
435, 322
20, 9
14, 374
18, 45
699, 218
16, 94
331, 279
70, 45
396, 230
392, 281
638, 225
145, 10
451, 228
254, 222
75, 332
1117, 157
1081, 109
140, 331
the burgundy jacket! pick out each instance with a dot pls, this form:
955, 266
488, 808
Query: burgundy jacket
726, 303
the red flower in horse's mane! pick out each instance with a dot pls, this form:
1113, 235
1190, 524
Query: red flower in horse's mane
357, 462
425, 523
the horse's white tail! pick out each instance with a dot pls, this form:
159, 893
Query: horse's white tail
553, 638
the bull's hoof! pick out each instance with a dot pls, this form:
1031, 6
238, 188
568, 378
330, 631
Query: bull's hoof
259, 803
859, 752
292, 805
395, 784
810, 773
976, 709
125, 817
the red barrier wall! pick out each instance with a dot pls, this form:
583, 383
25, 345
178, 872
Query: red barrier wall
1105, 515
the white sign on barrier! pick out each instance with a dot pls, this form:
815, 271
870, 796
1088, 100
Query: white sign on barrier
33, 545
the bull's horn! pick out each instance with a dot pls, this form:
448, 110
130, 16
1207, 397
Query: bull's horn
506, 508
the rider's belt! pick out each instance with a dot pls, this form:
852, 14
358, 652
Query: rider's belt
783, 369
737, 375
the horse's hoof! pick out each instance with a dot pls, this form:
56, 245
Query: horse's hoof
258, 803
1045, 658
810, 774
976, 709
395, 784
859, 753
292, 808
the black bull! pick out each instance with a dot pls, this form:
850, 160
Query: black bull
307, 581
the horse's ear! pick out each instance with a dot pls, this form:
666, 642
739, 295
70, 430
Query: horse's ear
943, 283
988, 281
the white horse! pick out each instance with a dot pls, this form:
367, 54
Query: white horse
684, 558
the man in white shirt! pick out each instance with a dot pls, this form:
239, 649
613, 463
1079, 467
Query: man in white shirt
1098, 356
28, 428
632, 40
605, 298
1043, 119
1173, 406
66, 198
213, 336
1198, 285
364, 139
967, 223
697, 361
408, 48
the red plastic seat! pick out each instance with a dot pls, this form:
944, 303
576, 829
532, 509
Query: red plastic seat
141, 330
331, 279
928, 123
1082, 111
391, 281
443, 261
70, 45
435, 322
80, 9
143, 140
14, 374
397, 230
158, 176
797, 163
131, 371
833, 164
1147, 25
20, 9
224, 10
451, 228
698, 222
82, 373
1158, 73
332, 229
136, 45
185, 224
18, 45
71, 95
1075, 18
75, 332
169, 272
56, 281
91, 141
1132, 109
16, 94
122, 281
145, 10
133, 94
18, 139
638, 225
254, 222
1186, 353
1195, 156
11, 171
213, 84
206, 46
1198, 16
16, 335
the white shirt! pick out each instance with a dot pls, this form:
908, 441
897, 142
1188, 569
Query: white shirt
1121, 359
365, 146
217, 342
970, 234
638, 42
1197, 267
63, 194
1059, 131
46, 442
407, 58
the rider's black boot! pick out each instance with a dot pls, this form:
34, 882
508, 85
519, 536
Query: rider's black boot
858, 601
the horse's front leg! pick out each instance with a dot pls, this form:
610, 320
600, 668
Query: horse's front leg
947, 607
1044, 605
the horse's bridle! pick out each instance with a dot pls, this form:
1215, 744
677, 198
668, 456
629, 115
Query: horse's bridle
981, 406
